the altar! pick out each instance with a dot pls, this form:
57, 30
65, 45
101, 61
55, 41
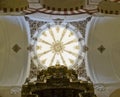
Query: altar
58, 81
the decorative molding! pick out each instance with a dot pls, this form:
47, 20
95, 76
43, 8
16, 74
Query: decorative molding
85, 48
81, 71
100, 87
58, 21
34, 25
61, 78
30, 48
81, 25
15, 90
33, 72
16, 48
101, 48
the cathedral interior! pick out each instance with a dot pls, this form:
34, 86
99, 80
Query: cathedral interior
59, 48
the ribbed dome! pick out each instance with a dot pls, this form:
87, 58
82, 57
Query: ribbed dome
109, 6
13, 5
63, 5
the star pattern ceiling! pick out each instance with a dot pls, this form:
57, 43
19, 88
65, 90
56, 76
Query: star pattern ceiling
56, 44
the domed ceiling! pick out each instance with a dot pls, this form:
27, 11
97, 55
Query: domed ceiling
60, 43
96, 45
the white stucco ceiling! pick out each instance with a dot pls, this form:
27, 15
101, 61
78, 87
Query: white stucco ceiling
103, 67
14, 56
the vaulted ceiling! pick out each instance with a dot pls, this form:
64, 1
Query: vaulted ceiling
102, 39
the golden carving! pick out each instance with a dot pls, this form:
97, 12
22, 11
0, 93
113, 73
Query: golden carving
57, 47
77, 47
39, 55
71, 61
43, 41
64, 31
69, 42
43, 61
60, 81
71, 34
44, 33
38, 47
72, 53
63, 59
51, 33
57, 28
52, 59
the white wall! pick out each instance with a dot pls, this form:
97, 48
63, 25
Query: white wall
14, 66
104, 68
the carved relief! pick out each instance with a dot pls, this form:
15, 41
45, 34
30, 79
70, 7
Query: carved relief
33, 71
16, 48
34, 25
58, 81
81, 71
81, 25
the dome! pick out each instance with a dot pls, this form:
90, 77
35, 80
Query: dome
13, 5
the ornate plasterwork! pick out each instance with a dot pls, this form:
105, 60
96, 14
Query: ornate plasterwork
34, 25
33, 70
60, 43
80, 25
16, 48
101, 49
81, 71
15, 90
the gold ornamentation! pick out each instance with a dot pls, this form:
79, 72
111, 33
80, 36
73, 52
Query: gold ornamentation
64, 32
72, 53
71, 34
51, 33
44, 53
69, 42
63, 59
44, 33
61, 78
44, 42
35, 57
57, 29
58, 46
52, 59
38, 47
71, 61
43, 61
77, 47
